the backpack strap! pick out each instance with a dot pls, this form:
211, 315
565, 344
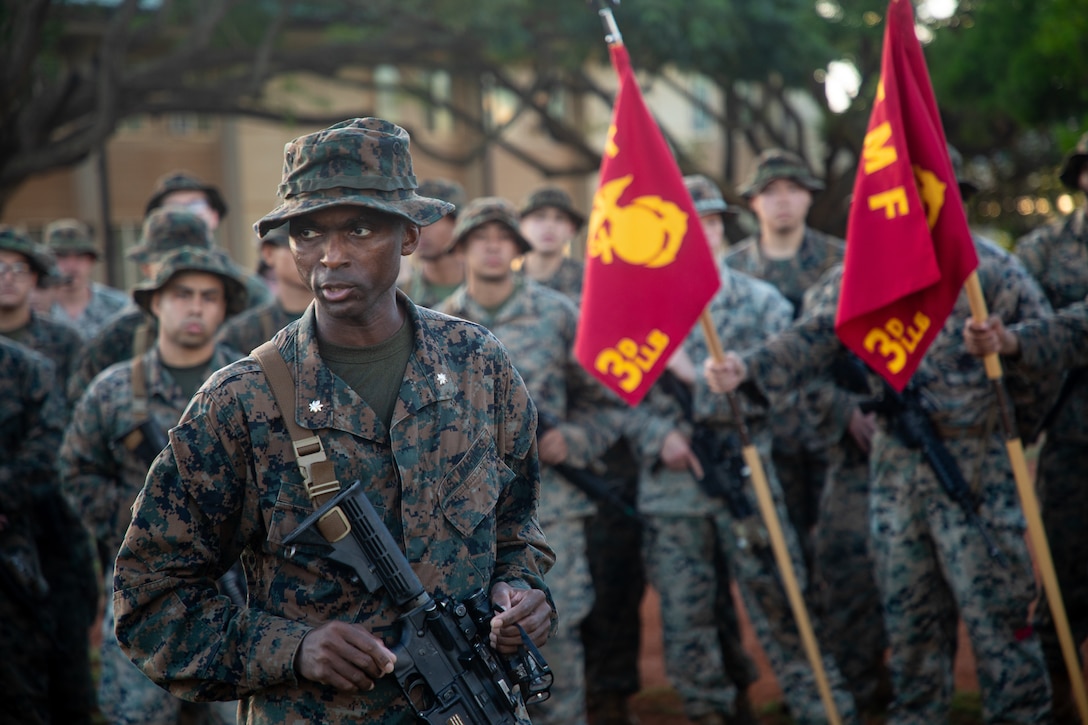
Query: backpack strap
318, 473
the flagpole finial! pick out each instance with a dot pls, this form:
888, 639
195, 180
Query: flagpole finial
611, 30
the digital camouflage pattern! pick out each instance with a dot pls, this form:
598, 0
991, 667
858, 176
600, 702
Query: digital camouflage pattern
691, 532
931, 564
57, 341
38, 257
567, 280
778, 164
184, 181
1057, 257
253, 327
462, 506
128, 333
166, 230
194, 259
707, 196
537, 326
486, 209
1052, 344
105, 303
343, 164
70, 235
44, 609
552, 196
444, 190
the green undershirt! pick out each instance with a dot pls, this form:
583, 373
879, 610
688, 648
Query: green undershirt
190, 379
374, 372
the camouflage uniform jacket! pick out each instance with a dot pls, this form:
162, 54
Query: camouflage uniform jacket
456, 480
953, 383
56, 340
245, 331
105, 302
422, 292
1057, 256
537, 325
129, 333
567, 279
745, 312
100, 476
819, 416
1054, 343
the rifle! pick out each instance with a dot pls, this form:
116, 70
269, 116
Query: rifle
589, 483
724, 471
445, 666
912, 426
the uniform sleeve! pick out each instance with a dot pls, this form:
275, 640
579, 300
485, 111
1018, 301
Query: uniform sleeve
1053, 344
186, 529
40, 428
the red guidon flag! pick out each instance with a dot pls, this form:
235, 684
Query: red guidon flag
908, 247
649, 270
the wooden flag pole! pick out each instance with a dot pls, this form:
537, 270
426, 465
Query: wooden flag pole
774, 529
1044, 562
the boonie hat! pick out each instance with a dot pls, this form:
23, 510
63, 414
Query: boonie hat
196, 259
555, 197
1074, 164
444, 190
775, 164
37, 256
184, 181
361, 162
707, 196
168, 229
489, 209
70, 236
277, 237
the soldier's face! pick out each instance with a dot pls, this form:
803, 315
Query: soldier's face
489, 250
714, 229
435, 239
17, 280
193, 201
350, 257
782, 205
190, 309
548, 229
282, 262
75, 267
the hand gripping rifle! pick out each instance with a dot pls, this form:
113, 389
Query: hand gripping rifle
445, 666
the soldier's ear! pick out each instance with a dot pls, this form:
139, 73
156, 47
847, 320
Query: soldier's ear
410, 239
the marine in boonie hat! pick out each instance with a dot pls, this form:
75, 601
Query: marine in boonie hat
37, 256
184, 181
486, 209
1074, 164
707, 196
277, 237
168, 229
775, 164
444, 190
555, 197
70, 236
360, 162
195, 259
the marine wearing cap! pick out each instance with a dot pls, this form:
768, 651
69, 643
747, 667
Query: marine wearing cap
195, 259
184, 181
167, 229
486, 209
444, 190
555, 197
775, 164
707, 196
38, 257
361, 162
70, 236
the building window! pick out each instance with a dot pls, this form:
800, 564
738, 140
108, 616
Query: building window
387, 82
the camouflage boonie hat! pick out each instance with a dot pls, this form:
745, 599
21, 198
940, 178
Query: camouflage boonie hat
184, 181
555, 197
166, 230
775, 164
361, 162
196, 259
967, 187
37, 256
707, 196
1074, 164
277, 237
444, 190
70, 236
489, 209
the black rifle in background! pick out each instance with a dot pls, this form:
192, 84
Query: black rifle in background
445, 665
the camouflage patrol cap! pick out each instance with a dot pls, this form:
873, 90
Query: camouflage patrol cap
1074, 164
707, 196
277, 237
37, 256
196, 259
775, 164
166, 230
444, 190
184, 181
486, 209
360, 162
555, 197
69, 236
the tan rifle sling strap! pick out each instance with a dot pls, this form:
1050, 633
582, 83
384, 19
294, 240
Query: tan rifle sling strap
317, 471
139, 408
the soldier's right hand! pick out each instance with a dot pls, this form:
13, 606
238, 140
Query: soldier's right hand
343, 655
677, 455
725, 376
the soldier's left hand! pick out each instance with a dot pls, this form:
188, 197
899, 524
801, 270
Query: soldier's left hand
552, 447
527, 607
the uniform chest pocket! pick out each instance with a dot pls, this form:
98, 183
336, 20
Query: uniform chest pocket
470, 490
